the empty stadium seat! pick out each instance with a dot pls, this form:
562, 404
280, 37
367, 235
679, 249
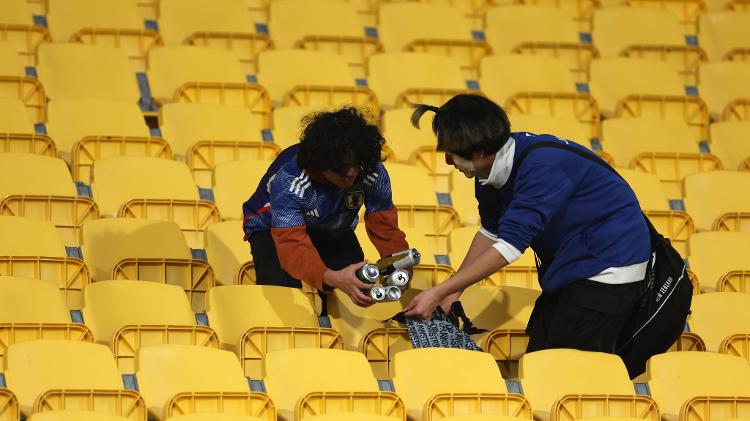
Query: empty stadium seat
722, 85
226, 250
463, 373
717, 316
86, 71
314, 78
129, 315
312, 381
209, 134
462, 196
15, 85
728, 142
718, 260
414, 237
288, 123
714, 202
410, 78
256, 320
173, 376
235, 182
41, 187
562, 127
693, 381
145, 187
16, 119
555, 378
725, 35
140, 249
65, 415
581, 11
18, 27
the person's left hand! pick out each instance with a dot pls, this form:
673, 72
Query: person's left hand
424, 304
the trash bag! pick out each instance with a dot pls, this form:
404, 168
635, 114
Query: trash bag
443, 330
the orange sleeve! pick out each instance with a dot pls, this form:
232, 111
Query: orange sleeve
382, 228
297, 255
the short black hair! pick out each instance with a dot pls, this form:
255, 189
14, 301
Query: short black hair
331, 138
467, 123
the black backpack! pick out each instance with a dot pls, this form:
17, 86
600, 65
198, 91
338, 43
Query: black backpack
660, 315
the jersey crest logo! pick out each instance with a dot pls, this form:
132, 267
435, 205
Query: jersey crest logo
354, 199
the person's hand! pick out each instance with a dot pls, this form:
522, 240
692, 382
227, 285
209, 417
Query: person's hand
347, 281
424, 304
448, 301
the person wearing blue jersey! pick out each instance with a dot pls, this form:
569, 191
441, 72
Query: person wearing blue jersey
582, 221
300, 221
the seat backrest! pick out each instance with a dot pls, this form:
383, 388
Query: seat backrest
73, 415
715, 316
179, 19
721, 32
291, 374
403, 138
403, 179
66, 17
613, 79
34, 367
722, 82
171, 67
288, 123
728, 142
617, 28
29, 174
107, 241
675, 377
713, 254
711, 194
401, 23
551, 374
420, 374
72, 119
15, 12
647, 188
291, 21
15, 118
509, 26
281, 70
183, 124
226, 250
119, 179
235, 182
110, 305
563, 127
10, 61
29, 237
414, 237
493, 307
232, 309
625, 138
506, 75
462, 195
86, 71
393, 73
24, 300
166, 370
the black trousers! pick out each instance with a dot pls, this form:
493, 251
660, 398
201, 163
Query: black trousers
585, 315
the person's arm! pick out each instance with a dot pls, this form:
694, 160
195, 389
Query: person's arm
381, 216
479, 245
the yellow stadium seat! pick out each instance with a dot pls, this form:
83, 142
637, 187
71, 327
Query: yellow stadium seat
699, 385
676, 225
86, 130
719, 315
116, 24
646, 33
462, 196
17, 26
462, 373
34, 309
539, 30
664, 148
307, 382
256, 320
129, 315
288, 123
687, 12
15, 85
557, 380
521, 273
224, 24
418, 207
414, 237
64, 415
337, 29
524, 84
723, 85
410, 78
235, 182
728, 143
580, 10
86, 71
40, 373
714, 200
314, 78
10, 410
209, 134
562, 127
226, 250
635, 87
140, 249
17, 131
405, 140
41, 187
724, 35
145, 187
717, 258
174, 378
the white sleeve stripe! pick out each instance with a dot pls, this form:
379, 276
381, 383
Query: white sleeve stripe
510, 253
488, 234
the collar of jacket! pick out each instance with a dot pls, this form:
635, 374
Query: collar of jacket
502, 166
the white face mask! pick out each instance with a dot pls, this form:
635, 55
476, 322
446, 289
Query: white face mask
464, 165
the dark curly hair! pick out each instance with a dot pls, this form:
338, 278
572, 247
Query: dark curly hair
330, 138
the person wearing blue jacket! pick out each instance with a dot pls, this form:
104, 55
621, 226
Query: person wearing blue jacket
582, 221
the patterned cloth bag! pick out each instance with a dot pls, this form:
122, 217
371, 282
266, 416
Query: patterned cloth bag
442, 331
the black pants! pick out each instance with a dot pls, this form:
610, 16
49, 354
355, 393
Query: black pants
585, 315
338, 250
